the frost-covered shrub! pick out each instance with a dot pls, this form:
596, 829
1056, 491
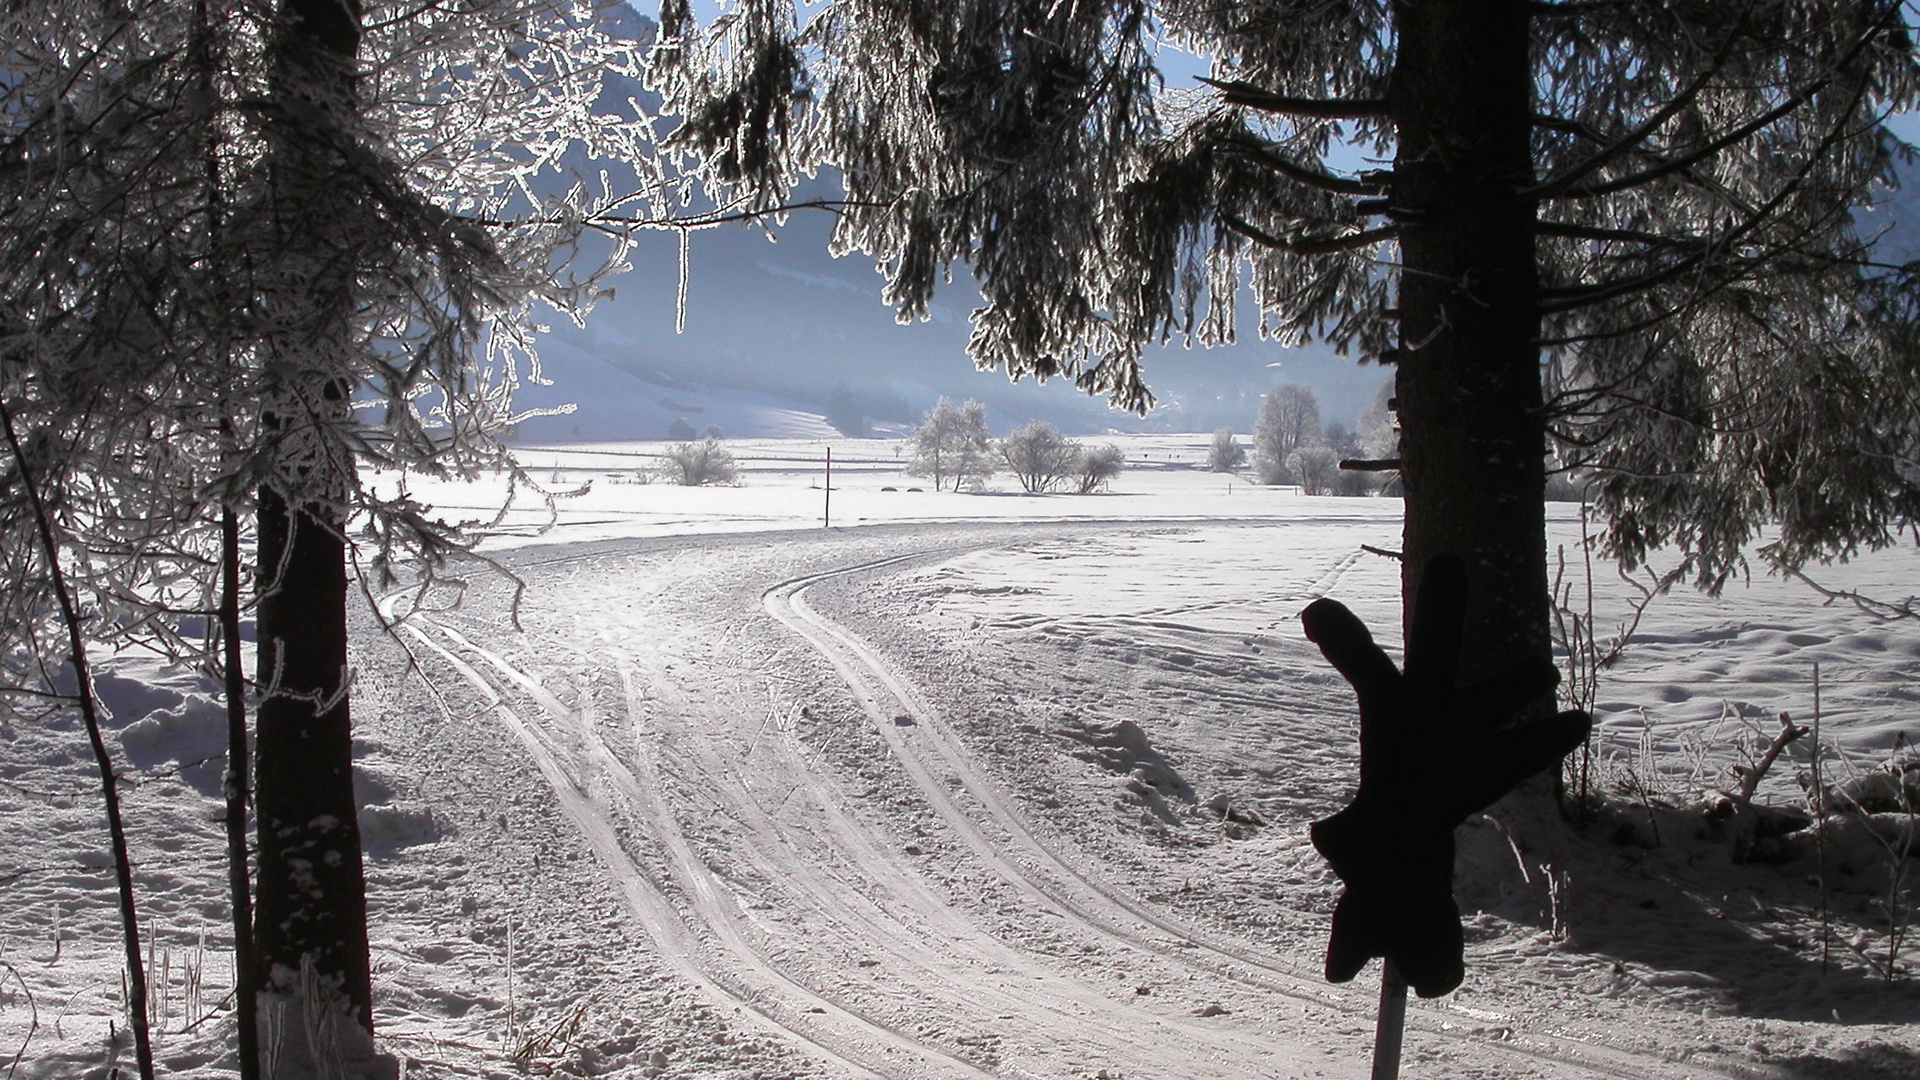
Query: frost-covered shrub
692, 464
1316, 468
950, 446
1226, 454
1039, 456
1098, 466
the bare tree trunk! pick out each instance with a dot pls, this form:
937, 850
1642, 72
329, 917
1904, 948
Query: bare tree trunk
1468, 386
103, 758
312, 885
233, 785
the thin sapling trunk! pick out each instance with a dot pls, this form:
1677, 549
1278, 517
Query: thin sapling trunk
246, 982
109, 780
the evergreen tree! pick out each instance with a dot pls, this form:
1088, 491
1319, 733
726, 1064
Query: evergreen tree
1649, 202
220, 223
844, 411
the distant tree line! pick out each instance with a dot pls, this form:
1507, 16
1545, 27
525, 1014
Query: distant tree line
851, 412
951, 447
1290, 446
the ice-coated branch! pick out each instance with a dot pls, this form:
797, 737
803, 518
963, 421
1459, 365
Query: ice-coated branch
1267, 157
1310, 245
24, 473
1561, 299
1639, 134
1247, 95
1575, 231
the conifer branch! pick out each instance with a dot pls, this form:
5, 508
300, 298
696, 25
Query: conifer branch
1581, 296
1573, 231
1247, 95
1263, 154
1554, 189
1309, 245
1567, 298
1562, 187
1641, 133
1567, 126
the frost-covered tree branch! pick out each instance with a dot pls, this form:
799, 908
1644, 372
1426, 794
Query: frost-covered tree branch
1653, 203
251, 250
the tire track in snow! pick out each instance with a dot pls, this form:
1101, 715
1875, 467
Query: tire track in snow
1054, 883
850, 1040
954, 961
975, 971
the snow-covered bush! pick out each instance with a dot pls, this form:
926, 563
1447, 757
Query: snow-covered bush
950, 446
1315, 468
1098, 466
1226, 454
1039, 456
693, 464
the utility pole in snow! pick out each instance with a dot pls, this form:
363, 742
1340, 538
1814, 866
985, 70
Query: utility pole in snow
826, 519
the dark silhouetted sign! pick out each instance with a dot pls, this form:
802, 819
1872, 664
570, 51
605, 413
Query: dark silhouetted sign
1431, 754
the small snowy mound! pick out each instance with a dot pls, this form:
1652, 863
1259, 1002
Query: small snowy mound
387, 823
1239, 817
1893, 788
1122, 748
169, 717
386, 828
192, 731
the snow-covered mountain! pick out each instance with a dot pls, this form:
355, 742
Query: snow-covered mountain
610, 403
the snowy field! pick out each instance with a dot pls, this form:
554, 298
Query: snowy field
984, 785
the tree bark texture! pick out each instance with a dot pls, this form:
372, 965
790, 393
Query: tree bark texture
312, 894
1468, 383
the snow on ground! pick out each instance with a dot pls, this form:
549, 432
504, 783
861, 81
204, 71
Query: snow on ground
980, 784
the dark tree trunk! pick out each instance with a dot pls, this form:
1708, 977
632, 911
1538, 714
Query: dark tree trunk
312, 902
135, 975
234, 787
312, 893
1468, 386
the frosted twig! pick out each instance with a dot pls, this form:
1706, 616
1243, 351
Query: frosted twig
33, 1019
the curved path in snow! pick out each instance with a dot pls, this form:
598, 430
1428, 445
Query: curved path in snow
781, 898
940, 766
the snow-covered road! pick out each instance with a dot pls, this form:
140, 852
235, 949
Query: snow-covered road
794, 832
986, 785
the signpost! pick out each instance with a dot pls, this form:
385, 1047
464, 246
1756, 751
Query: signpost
1390, 1025
1431, 753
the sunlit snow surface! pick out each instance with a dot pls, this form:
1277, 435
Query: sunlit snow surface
1023, 795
